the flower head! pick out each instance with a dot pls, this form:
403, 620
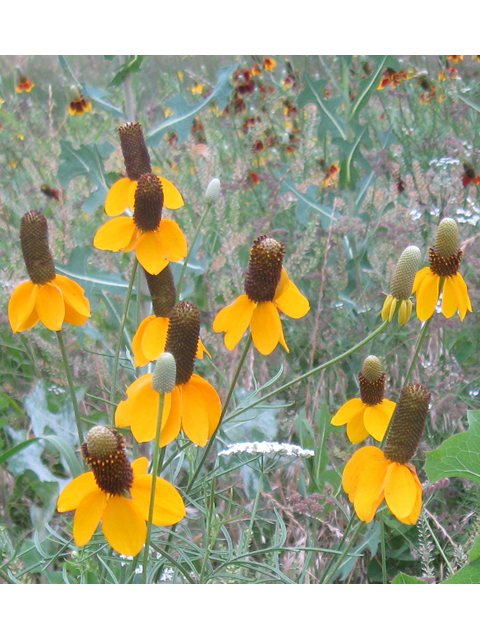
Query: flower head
401, 286
268, 289
370, 414
442, 276
117, 494
78, 104
24, 84
372, 475
193, 405
51, 298
156, 240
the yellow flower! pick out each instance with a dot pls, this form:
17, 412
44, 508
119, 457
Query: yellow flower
268, 290
24, 84
156, 240
117, 494
370, 414
372, 475
49, 297
121, 196
369, 477
442, 275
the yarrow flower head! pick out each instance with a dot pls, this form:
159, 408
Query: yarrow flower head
193, 405
49, 297
442, 276
372, 475
268, 289
78, 104
151, 335
370, 414
401, 286
267, 448
117, 494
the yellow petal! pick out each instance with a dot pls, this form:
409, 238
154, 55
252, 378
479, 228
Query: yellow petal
168, 506
201, 349
123, 526
172, 198
77, 306
417, 507
115, 235
212, 401
281, 339
356, 431
419, 277
427, 296
194, 414
291, 302
461, 294
347, 411
154, 338
139, 466
173, 422
355, 466
139, 358
265, 327
234, 320
370, 489
87, 516
404, 311
151, 253
173, 239
449, 297
282, 283
75, 491
117, 197
387, 306
50, 306
400, 490
377, 417
22, 314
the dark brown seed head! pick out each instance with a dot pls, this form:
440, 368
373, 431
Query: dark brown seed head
264, 269
135, 153
162, 291
148, 202
35, 249
407, 423
372, 381
104, 452
182, 338
444, 266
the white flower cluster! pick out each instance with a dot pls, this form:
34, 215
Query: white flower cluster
279, 448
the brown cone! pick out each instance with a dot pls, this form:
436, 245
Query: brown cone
35, 249
182, 338
162, 291
104, 452
148, 202
264, 269
135, 153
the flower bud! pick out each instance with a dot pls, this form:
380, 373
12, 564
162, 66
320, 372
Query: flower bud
164, 373
35, 249
212, 192
134, 149
446, 241
264, 269
404, 274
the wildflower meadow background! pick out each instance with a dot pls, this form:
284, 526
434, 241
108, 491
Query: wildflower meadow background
296, 399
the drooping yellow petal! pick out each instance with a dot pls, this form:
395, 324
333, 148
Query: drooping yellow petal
117, 197
387, 308
139, 358
265, 327
172, 239
377, 417
355, 466
87, 516
151, 253
50, 306
172, 198
400, 490
427, 296
75, 491
21, 306
449, 297
115, 235
212, 401
194, 414
370, 489
77, 306
282, 283
234, 320
154, 338
139, 466
168, 505
281, 339
173, 422
463, 298
201, 350
347, 411
124, 526
356, 431
404, 311
145, 413
417, 507
291, 302
419, 277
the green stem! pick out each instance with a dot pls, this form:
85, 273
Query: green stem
437, 544
254, 513
421, 336
158, 456
222, 415
382, 547
192, 244
119, 340
341, 558
71, 387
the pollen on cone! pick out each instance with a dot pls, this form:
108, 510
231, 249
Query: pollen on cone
407, 423
35, 249
104, 451
134, 149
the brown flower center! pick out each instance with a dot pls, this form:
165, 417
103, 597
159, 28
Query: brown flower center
104, 452
182, 338
264, 269
135, 152
35, 249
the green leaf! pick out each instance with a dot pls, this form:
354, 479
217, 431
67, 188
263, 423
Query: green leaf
367, 86
474, 552
458, 456
307, 201
86, 161
131, 66
98, 96
184, 113
403, 578
469, 574
313, 92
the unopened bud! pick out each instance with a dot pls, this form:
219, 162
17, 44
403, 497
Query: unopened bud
164, 373
404, 274
446, 241
213, 191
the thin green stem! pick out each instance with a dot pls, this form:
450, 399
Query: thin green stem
328, 566
437, 544
224, 408
423, 333
71, 388
382, 547
119, 340
158, 456
253, 513
343, 555
192, 244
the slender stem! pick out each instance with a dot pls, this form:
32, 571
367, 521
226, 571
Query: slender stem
341, 558
158, 456
382, 547
192, 244
71, 387
423, 333
119, 340
254, 513
222, 415
328, 566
